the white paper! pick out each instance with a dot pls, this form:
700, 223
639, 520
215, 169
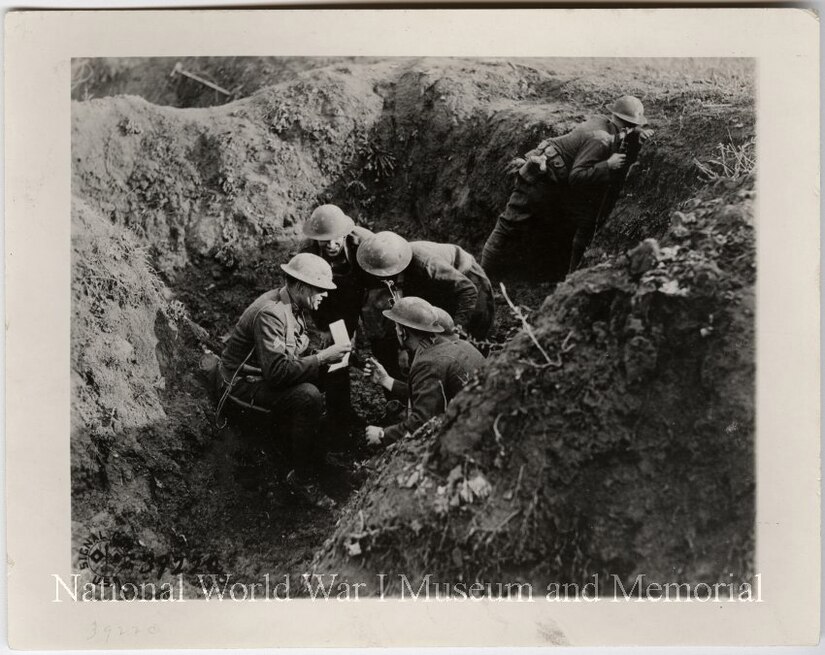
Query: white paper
338, 330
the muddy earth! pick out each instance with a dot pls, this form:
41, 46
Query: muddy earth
611, 431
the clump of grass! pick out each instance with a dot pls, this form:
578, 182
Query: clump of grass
732, 162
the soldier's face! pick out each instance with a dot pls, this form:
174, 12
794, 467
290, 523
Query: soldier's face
401, 335
332, 247
315, 299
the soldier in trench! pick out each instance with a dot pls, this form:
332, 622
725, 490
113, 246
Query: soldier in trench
443, 274
265, 364
333, 236
440, 367
572, 182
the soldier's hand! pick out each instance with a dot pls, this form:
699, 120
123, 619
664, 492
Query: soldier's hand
514, 166
375, 371
617, 161
325, 338
334, 353
537, 162
374, 434
644, 135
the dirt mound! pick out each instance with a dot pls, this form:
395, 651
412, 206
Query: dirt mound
620, 443
181, 217
155, 79
139, 419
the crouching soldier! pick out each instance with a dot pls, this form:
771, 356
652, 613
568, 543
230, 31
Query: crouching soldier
440, 367
571, 181
265, 364
443, 274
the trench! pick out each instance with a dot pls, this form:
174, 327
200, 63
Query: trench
423, 159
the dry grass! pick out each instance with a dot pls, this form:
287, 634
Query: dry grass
732, 162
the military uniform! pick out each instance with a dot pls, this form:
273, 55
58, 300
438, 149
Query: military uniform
265, 363
446, 276
440, 369
572, 189
346, 300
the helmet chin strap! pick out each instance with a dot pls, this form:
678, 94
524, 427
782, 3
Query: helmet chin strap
395, 294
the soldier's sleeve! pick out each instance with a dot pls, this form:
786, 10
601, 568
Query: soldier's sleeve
400, 390
448, 281
590, 164
279, 368
428, 398
359, 234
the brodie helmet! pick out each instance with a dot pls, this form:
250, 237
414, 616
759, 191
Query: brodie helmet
311, 269
328, 223
414, 313
384, 254
630, 109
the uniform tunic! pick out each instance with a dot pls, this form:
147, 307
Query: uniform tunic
440, 369
449, 277
270, 337
572, 189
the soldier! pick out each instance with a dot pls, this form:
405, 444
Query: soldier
443, 274
265, 364
334, 236
440, 367
398, 389
573, 178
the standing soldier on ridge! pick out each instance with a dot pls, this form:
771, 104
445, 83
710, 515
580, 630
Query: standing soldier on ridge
573, 178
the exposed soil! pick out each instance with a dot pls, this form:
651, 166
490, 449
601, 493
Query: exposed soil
630, 450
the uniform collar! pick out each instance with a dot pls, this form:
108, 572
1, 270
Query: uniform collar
283, 296
429, 343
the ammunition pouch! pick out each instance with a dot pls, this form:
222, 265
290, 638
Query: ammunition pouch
556, 168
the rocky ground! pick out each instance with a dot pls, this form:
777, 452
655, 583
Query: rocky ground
627, 440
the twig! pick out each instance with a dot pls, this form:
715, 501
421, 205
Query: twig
500, 526
564, 347
499, 438
178, 69
527, 327
518, 482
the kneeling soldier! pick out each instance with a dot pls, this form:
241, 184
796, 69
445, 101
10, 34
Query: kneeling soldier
440, 367
264, 363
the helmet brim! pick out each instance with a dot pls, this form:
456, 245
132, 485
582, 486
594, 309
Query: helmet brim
318, 284
329, 236
435, 328
387, 271
631, 119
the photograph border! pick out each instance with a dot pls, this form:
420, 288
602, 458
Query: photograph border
39, 48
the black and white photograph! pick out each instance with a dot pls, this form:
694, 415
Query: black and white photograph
413, 326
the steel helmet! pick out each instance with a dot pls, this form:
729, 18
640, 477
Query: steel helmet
309, 268
444, 320
384, 254
327, 223
414, 313
630, 109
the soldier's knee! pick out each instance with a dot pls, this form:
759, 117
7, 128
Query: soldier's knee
309, 398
